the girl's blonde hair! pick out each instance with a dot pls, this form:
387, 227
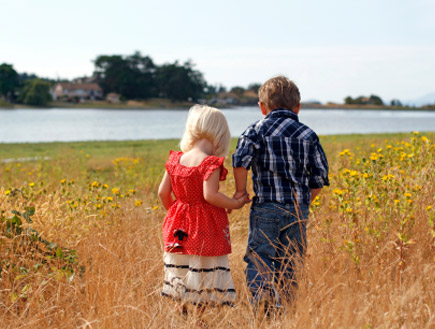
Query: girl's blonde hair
206, 122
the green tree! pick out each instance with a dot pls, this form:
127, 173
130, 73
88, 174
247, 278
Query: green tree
396, 102
237, 90
8, 81
254, 87
348, 100
35, 92
132, 76
376, 100
180, 82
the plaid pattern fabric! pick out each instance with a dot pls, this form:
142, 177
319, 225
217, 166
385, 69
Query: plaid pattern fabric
286, 157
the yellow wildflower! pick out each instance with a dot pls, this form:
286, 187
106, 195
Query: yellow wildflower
63, 181
138, 203
407, 195
7, 192
387, 177
99, 206
374, 157
105, 186
428, 208
155, 207
354, 173
424, 139
95, 184
417, 188
109, 199
344, 152
337, 191
380, 150
31, 184
115, 191
415, 133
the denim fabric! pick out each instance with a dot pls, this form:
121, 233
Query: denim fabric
276, 242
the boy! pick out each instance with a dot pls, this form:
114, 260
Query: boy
289, 168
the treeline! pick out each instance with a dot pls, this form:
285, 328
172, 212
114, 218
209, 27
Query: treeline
133, 77
23, 88
372, 100
138, 77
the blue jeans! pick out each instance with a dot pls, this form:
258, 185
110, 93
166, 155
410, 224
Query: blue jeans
276, 244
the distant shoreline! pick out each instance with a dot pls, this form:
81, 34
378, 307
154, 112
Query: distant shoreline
163, 104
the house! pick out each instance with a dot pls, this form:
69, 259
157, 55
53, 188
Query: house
113, 98
78, 92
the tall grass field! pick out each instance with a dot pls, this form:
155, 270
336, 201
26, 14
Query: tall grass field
81, 243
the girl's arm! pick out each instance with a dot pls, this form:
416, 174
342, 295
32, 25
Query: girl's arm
165, 191
214, 197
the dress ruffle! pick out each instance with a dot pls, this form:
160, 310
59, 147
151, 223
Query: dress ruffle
210, 164
206, 167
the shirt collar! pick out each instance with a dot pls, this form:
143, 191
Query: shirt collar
282, 113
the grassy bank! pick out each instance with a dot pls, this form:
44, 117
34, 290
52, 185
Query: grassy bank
95, 261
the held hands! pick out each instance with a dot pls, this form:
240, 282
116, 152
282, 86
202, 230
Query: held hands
240, 198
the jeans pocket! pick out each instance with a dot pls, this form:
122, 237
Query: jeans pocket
265, 228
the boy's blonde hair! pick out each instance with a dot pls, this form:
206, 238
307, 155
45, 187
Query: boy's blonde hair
206, 122
279, 92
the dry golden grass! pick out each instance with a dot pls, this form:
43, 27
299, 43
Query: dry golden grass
370, 261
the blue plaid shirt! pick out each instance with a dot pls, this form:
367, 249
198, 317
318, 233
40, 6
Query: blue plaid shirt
286, 157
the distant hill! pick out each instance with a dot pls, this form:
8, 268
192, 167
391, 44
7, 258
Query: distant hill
428, 99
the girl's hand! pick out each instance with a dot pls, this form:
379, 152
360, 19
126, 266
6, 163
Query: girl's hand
240, 198
240, 202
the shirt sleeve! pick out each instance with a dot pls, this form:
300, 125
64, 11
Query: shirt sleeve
246, 149
319, 167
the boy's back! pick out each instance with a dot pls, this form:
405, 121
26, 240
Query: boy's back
286, 158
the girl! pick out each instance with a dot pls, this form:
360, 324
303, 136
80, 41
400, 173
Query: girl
196, 230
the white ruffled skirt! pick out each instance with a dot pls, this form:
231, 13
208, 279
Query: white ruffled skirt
198, 279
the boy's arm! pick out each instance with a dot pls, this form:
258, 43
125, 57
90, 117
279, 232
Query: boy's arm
318, 171
165, 191
314, 193
240, 177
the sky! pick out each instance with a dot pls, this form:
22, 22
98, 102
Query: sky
331, 49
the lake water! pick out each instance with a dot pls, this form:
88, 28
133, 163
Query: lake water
48, 125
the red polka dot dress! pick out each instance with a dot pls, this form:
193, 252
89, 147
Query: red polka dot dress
196, 237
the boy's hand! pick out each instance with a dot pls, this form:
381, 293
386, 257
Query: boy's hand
242, 197
240, 202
